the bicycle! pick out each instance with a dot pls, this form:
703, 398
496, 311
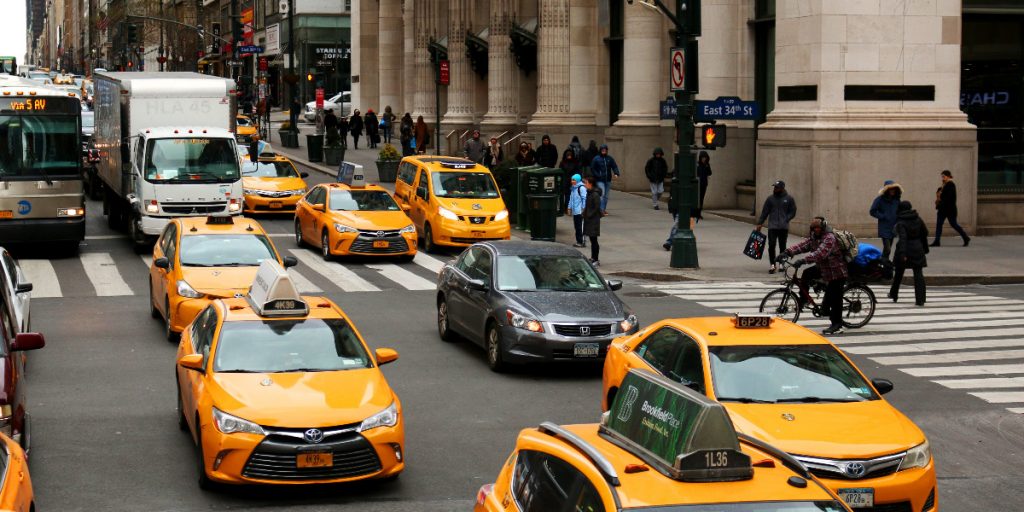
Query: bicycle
859, 301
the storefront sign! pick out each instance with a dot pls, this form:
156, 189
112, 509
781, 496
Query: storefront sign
325, 56
975, 98
273, 43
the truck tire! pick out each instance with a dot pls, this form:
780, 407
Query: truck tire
140, 242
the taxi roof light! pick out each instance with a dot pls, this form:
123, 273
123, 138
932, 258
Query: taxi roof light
220, 219
748, 321
274, 294
458, 164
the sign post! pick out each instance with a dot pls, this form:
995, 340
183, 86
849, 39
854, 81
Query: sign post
445, 76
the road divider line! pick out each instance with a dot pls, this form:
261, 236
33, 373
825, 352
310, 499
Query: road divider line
102, 272
950, 357
403, 277
961, 371
428, 262
1001, 397
334, 272
43, 278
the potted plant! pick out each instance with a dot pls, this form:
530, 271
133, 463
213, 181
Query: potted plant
387, 163
289, 135
334, 150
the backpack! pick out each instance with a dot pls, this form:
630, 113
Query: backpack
847, 244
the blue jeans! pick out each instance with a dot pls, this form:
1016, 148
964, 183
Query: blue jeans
605, 187
675, 228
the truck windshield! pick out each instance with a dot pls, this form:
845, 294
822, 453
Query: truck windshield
36, 147
209, 160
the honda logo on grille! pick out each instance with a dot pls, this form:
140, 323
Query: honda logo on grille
313, 435
585, 330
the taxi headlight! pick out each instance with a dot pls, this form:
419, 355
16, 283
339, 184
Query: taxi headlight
297, 192
502, 215
446, 213
228, 424
249, 191
186, 290
629, 323
521, 322
408, 229
386, 418
341, 228
917, 457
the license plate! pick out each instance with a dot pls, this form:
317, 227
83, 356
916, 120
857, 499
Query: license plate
6, 214
478, 234
586, 349
315, 460
381, 244
858, 498
275, 204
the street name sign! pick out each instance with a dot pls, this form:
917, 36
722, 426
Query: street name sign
727, 107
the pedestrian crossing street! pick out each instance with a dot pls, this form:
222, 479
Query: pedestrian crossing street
960, 340
101, 274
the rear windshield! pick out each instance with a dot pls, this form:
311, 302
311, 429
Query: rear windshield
269, 169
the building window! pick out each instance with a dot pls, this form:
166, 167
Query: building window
348, 5
271, 6
616, 65
764, 55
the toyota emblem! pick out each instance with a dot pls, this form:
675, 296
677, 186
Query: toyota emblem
477, 206
584, 330
380, 234
855, 469
313, 435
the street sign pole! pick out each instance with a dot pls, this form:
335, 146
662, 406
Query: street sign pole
684, 182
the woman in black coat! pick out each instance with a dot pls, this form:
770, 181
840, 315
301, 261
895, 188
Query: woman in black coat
355, 126
910, 251
592, 218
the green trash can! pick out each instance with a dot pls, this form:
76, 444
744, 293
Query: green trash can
315, 147
522, 210
543, 208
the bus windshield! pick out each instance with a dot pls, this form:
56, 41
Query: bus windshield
34, 147
209, 160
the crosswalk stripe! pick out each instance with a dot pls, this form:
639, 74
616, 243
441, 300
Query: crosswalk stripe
990, 383
428, 262
916, 319
403, 277
335, 273
960, 371
996, 300
950, 357
1016, 410
1001, 397
302, 284
926, 336
947, 325
147, 260
933, 347
736, 294
944, 310
43, 278
102, 272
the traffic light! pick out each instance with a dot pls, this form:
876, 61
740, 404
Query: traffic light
133, 33
309, 77
713, 136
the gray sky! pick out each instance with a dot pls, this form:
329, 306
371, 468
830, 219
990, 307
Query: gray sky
12, 29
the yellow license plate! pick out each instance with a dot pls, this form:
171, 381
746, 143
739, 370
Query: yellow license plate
478, 234
381, 244
315, 460
6, 214
275, 204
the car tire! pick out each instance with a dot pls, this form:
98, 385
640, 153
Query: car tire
492, 343
299, 242
172, 336
182, 422
407, 258
153, 310
325, 246
428, 240
444, 329
203, 479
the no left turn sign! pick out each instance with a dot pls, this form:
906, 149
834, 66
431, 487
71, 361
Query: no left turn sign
678, 67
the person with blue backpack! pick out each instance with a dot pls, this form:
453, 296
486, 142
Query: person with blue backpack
577, 202
604, 169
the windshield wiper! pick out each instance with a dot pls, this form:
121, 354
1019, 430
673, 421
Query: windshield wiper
239, 370
198, 264
45, 176
568, 289
305, 370
814, 399
744, 400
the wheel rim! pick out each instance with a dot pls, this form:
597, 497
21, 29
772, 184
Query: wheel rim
442, 317
325, 246
167, 306
492, 346
428, 239
858, 307
298, 233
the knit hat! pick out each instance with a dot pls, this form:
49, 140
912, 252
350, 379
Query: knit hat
659, 151
603, 146
577, 178
904, 206
779, 184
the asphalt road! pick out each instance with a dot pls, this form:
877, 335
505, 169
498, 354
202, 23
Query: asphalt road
105, 436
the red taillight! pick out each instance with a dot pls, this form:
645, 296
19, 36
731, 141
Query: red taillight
481, 495
190, 131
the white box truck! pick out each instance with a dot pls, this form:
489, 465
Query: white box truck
167, 149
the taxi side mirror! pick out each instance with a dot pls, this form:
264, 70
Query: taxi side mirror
406, 208
192, 362
319, 207
303, 175
883, 386
385, 355
28, 341
614, 284
162, 262
23, 287
289, 261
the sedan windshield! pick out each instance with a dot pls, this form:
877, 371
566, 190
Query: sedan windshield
771, 506
269, 170
472, 185
225, 250
797, 373
191, 159
309, 345
547, 272
362, 201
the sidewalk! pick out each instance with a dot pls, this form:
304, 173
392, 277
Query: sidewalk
633, 234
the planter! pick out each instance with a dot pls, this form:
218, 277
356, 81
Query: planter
387, 170
289, 139
315, 147
333, 155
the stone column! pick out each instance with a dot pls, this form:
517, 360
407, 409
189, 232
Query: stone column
365, 93
502, 74
461, 98
424, 31
390, 56
585, 79
645, 69
553, 62
409, 57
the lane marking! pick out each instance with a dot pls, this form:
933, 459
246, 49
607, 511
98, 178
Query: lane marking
403, 277
147, 260
918, 319
428, 262
932, 347
302, 284
843, 340
103, 237
1016, 410
1001, 397
727, 303
334, 272
102, 272
945, 310
951, 357
43, 278
990, 383
957, 371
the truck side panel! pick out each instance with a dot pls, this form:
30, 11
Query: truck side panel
180, 112
109, 132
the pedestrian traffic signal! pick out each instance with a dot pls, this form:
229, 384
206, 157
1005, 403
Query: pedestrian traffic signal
713, 136
133, 33
309, 77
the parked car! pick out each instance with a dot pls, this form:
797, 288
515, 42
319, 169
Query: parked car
16, 289
14, 417
341, 103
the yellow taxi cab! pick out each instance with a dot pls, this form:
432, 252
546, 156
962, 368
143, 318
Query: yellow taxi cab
452, 201
278, 388
198, 259
354, 219
245, 128
794, 389
661, 448
16, 486
272, 184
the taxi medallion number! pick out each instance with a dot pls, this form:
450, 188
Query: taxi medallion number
275, 204
315, 460
586, 349
6, 214
380, 244
478, 234
859, 497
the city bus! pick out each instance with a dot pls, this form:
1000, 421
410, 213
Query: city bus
8, 65
41, 197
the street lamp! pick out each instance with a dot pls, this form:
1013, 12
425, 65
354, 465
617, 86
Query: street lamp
684, 183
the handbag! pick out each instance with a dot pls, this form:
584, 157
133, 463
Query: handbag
412, 142
755, 245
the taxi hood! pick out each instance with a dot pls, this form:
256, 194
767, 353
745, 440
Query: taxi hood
852, 430
219, 281
302, 399
372, 220
273, 183
472, 207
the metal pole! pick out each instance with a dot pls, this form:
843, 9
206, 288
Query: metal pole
291, 61
161, 52
684, 182
437, 105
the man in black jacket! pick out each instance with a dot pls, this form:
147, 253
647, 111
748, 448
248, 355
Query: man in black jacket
656, 169
945, 204
547, 153
778, 210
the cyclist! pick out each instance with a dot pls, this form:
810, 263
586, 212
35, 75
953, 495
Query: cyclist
830, 267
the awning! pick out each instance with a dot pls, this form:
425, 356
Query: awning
476, 51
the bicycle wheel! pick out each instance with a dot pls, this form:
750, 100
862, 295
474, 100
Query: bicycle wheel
781, 303
858, 305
